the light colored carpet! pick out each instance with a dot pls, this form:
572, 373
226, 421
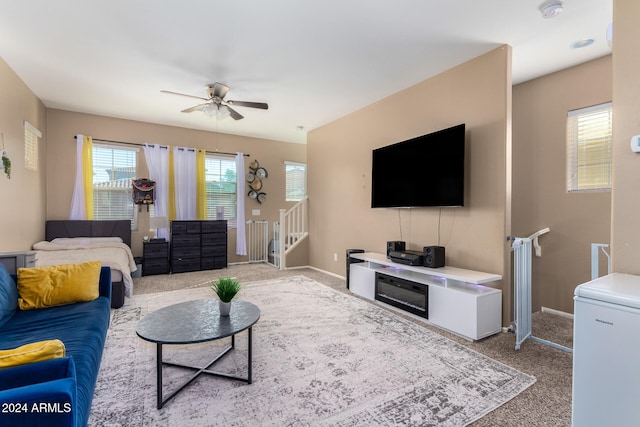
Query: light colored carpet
546, 403
320, 358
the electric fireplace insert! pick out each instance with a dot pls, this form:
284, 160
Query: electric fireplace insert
403, 294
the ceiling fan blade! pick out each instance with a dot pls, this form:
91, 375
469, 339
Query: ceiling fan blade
217, 90
183, 94
261, 105
199, 107
234, 114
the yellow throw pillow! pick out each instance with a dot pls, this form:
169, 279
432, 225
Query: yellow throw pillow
31, 353
41, 287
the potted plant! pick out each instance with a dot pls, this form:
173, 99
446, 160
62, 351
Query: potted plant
226, 288
6, 163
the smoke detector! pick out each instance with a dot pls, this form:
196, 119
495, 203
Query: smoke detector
551, 8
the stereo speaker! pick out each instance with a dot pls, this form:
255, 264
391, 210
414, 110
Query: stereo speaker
352, 261
433, 256
395, 246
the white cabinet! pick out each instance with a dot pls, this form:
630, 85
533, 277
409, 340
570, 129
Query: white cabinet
361, 279
458, 300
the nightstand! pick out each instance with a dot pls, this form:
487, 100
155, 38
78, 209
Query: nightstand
15, 260
155, 258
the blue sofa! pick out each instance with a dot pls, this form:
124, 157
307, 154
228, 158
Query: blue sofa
56, 392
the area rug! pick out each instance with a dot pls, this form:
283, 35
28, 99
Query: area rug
320, 358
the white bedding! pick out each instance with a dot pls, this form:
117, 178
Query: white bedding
115, 255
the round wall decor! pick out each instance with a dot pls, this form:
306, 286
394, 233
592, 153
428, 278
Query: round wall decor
256, 185
261, 173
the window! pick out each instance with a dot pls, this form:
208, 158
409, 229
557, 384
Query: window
113, 170
220, 177
295, 181
31, 135
589, 148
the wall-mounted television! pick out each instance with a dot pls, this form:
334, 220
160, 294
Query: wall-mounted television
420, 172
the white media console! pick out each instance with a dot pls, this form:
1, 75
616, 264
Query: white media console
457, 299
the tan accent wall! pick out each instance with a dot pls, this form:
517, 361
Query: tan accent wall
477, 93
540, 198
22, 211
625, 228
63, 125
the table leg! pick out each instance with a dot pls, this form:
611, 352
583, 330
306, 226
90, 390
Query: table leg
199, 370
159, 374
250, 340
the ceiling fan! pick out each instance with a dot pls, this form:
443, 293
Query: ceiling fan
216, 105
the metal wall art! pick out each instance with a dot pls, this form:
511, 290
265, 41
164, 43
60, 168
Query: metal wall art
254, 178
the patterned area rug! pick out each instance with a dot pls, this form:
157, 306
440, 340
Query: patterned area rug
320, 358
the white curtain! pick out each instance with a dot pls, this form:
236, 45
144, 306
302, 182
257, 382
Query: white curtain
158, 163
78, 208
241, 238
184, 168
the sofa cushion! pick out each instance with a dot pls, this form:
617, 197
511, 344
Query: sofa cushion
40, 287
31, 353
51, 383
8, 296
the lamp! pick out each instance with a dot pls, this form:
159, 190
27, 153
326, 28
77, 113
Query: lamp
212, 109
155, 223
219, 212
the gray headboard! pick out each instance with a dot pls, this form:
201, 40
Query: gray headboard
89, 228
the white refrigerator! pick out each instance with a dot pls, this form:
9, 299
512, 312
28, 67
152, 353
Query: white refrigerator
606, 352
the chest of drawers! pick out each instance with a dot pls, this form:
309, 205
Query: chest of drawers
198, 245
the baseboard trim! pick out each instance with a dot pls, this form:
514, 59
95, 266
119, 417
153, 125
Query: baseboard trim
318, 270
300, 267
556, 312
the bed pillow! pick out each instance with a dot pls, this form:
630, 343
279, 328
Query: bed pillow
41, 287
8, 296
31, 353
85, 240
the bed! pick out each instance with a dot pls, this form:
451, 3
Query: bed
109, 241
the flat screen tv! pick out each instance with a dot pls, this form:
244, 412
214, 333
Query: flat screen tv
420, 172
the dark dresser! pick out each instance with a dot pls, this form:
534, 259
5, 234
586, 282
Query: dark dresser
155, 258
198, 245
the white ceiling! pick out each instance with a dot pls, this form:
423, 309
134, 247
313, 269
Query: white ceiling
313, 61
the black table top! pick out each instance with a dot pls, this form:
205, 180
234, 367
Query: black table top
196, 321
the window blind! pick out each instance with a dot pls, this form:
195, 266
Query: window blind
31, 135
113, 170
221, 188
589, 148
295, 181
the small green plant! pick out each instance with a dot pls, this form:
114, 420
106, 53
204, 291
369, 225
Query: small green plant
226, 288
6, 163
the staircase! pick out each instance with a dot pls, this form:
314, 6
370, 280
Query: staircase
289, 232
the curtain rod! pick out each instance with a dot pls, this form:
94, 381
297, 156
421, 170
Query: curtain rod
162, 146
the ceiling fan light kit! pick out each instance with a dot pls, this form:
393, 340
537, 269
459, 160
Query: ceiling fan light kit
215, 110
216, 105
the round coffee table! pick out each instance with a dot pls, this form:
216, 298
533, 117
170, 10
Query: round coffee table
194, 322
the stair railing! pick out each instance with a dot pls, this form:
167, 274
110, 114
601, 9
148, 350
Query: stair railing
293, 229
